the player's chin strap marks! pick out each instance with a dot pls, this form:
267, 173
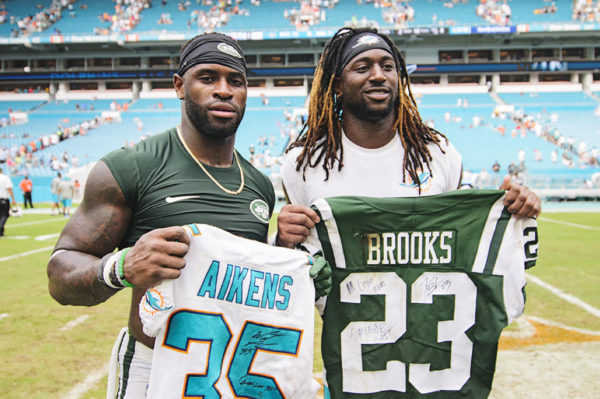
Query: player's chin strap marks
111, 270
320, 272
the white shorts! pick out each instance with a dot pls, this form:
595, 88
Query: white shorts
130, 365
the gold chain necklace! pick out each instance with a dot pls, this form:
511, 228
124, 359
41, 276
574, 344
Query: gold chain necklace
236, 192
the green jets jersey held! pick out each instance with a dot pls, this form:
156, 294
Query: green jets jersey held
422, 288
164, 186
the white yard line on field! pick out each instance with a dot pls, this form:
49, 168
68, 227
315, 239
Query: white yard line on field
47, 237
27, 253
37, 222
563, 295
581, 226
75, 322
79, 390
4, 315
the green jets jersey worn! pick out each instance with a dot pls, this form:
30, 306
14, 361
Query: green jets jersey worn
422, 288
164, 186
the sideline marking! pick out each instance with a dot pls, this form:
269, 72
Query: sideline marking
75, 322
563, 326
547, 333
4, 315
581, 226
47, 237
34, 251
563, 295
525, 329
92, 379
37, 222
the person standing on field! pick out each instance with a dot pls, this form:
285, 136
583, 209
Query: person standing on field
6, 195
26, 187
54, 192
65, 195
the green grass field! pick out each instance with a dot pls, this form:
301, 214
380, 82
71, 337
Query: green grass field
52, 351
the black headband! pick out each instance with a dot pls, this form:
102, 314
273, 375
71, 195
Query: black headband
360, 43
213, 49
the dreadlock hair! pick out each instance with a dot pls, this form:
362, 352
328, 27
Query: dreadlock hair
320, 137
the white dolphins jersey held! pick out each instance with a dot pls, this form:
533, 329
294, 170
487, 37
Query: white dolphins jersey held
238, 322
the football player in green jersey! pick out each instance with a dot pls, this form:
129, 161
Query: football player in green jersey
137, 198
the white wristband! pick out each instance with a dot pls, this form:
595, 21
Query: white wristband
273, 240
108, 267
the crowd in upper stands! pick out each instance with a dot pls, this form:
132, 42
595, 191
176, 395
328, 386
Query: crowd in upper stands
126, 16
586, 10
263, 154
21, 158
399, 13
574, 153
216, 17
496, 12
301, 13
43, 19
310, 13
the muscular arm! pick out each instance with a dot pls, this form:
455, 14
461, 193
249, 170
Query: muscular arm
93, 231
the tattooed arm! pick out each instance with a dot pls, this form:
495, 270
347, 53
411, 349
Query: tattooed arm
94, 231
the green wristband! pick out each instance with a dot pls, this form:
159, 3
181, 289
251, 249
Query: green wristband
120, 266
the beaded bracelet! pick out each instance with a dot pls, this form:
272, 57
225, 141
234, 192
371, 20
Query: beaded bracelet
120, 272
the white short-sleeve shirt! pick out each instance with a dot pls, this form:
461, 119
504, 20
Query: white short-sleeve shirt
372, 173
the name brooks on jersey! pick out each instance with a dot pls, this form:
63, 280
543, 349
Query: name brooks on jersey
246, 286
410, 247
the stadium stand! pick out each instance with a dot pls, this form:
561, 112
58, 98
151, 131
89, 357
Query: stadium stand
102, 17
516, 95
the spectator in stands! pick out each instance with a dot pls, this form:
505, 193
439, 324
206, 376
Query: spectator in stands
264, 99
482, 179
594, 156
26, 187
496, 167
